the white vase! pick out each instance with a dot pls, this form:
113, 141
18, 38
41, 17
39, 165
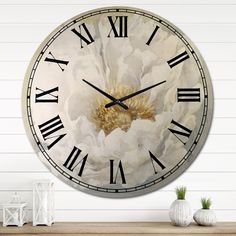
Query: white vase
205, 217
180, 213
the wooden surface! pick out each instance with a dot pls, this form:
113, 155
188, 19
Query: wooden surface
142, 228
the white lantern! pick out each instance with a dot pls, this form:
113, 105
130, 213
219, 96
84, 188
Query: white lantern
14, 212
43, 202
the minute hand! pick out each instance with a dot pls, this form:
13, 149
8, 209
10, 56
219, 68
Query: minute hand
132, 95
106, 94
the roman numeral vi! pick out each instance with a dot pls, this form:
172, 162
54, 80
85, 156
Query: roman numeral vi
113, 178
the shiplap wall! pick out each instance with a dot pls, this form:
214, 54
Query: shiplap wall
211, 24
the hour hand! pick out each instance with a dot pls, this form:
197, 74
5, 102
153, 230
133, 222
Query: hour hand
132, 95
106, 95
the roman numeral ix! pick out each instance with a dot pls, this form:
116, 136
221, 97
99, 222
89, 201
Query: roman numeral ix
113, 178
181, 132
49, 128
188, 94
73, 161
119, 26
57, 61
178, 59
157, 161
50, 95
86, 38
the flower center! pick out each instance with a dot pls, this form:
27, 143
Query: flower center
115, 116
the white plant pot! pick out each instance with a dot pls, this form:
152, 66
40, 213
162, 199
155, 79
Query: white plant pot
205, 217
180, 213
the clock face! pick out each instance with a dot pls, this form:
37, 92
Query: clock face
117, 102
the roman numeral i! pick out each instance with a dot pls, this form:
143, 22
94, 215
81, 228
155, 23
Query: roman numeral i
49, 128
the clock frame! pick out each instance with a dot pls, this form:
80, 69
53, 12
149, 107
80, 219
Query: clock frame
39, 133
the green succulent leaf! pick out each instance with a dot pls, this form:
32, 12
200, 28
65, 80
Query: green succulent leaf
181, 192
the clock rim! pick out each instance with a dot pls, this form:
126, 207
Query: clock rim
203, 137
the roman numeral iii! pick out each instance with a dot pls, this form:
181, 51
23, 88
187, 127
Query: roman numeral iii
178, 59
181, 133
73, 161
114, 175
188, 94
59, 62
50, 95
119, 26
157, 161
49, 129
83, 34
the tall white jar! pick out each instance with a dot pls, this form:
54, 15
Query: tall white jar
180, 212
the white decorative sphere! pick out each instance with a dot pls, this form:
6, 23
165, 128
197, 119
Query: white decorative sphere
180, 213
205, 217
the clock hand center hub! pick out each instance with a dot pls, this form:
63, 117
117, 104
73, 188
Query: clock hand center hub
116, 116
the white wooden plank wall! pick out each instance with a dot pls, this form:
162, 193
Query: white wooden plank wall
211, 24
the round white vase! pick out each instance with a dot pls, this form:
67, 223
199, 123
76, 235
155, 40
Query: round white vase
180, 213
205, 217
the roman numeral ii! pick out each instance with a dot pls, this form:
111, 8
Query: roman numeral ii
178, 59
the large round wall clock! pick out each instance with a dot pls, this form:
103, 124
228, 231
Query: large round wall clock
117, 102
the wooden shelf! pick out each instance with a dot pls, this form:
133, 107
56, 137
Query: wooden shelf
121, 229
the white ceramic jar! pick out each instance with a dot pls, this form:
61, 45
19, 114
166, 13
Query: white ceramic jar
205, 217
180, 213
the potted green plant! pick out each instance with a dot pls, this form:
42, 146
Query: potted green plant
205, 216
180, 210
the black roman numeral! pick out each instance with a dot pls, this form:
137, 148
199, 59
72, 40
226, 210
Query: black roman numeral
158, 162
46, 96
57, 61
182, 131
87, 39
188, 94
178, 59
120, 169
50, 127
122, 30
72, 161
152, 35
